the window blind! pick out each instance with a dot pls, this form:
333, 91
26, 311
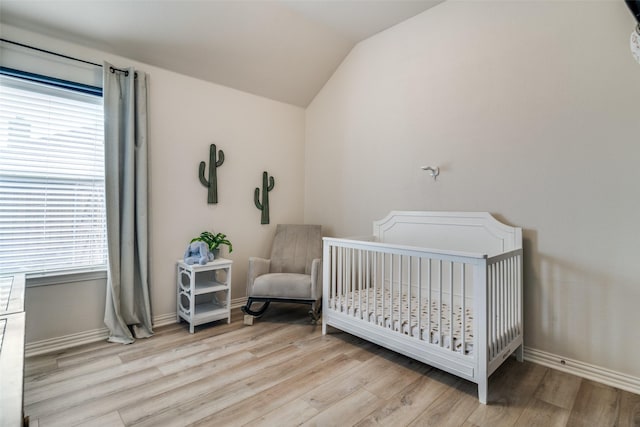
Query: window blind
52, 204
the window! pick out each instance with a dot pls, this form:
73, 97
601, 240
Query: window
52, 197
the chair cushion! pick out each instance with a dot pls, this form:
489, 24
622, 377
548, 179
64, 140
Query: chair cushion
282, 285
294, 248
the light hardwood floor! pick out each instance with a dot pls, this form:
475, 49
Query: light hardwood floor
281, 371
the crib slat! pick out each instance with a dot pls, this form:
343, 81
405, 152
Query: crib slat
420, 302
513, 280
517, 283
514, 302
339, 278
409, 294
492, 311
343, 272
383, 286
440, 303
397, 305
397, 301
375, 287
367, 281
340, 275
353, 279
490, 314
347, 273
505, 300
502, 305
507, 294
463, 308
505, 306
498, 310
390, 291
496, 314
359, 283
345, 282
451, 318
334, 269
393, 296
429, 298
347, 276
510, 302
400, 257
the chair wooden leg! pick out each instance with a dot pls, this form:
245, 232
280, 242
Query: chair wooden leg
316, 311
247, 308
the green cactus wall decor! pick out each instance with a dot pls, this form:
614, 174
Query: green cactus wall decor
267, 185
212, 183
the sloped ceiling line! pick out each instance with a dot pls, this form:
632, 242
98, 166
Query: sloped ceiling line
283, 50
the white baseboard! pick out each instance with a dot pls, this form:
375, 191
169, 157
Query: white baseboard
86, 337
67, 341
165, 319
584, 370
238, 302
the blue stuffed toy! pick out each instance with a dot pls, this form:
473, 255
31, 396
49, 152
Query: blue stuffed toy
198, 252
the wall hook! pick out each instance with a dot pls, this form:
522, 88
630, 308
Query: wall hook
433, 172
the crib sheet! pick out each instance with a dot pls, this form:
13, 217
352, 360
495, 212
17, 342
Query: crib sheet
433, 316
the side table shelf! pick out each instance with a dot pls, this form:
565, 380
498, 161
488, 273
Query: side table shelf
204, 292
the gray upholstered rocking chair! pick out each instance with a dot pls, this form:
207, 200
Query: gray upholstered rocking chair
292, 274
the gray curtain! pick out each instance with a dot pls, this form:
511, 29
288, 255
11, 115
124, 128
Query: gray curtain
128, 310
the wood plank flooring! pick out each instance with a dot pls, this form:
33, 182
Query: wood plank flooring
282, 372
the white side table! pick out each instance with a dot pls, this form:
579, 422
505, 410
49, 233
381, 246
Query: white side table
204, 292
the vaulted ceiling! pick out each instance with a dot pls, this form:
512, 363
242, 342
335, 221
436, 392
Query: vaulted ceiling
283, 50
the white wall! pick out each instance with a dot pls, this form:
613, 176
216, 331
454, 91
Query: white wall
531, 111
185, 116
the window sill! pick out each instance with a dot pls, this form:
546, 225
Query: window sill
62, 277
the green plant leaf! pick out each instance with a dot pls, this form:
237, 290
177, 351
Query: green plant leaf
213, 241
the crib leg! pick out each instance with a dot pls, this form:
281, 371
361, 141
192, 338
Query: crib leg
520, 353
483, 390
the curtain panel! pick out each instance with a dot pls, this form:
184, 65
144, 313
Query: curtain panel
127, 309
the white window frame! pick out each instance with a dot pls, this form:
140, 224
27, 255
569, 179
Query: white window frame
78, 92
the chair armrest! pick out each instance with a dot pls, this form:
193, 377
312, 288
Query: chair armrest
257, 267
316, 278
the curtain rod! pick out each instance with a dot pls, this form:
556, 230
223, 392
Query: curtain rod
112, 69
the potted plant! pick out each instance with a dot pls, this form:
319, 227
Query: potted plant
213, 241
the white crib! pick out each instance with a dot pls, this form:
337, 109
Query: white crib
444, 288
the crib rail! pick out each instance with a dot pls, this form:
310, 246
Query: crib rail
504, 305
448, 299
427, 295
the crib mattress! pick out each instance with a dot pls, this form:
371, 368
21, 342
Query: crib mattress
435, 325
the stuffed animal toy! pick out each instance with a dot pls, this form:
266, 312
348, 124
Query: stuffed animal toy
197, 252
